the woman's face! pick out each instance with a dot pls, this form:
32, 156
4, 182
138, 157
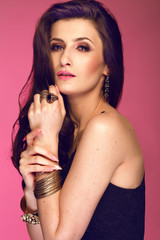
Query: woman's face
77, 56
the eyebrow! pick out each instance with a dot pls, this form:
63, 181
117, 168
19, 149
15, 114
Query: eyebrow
75, 40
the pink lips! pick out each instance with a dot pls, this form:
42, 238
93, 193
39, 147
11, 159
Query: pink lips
65, 75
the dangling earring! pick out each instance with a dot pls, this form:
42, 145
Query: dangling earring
106, 88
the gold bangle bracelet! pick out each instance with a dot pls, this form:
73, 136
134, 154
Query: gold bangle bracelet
48, 185
24, 208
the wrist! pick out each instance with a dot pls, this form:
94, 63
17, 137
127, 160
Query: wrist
29, 201
49, 143
30, 216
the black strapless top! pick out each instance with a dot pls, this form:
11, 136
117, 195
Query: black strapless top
119, 215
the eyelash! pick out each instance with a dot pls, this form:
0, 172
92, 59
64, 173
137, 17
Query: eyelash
56, 47
81, 48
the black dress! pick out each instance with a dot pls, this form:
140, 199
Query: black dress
119, 215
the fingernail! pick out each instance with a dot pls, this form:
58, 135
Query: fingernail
57, 88
38, 131
55, 159
58, 167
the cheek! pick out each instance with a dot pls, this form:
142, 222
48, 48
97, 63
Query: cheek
94, 65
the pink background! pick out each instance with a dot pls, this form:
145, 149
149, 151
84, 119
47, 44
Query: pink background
139, 23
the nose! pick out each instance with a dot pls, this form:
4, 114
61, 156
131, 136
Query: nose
66, 58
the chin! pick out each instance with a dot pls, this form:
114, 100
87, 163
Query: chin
65, 90
70, 89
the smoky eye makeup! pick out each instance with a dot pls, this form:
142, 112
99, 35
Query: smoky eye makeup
83, 47
57, 44
55, 47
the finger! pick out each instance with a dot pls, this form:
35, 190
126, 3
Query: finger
52, 89
32, 135
37, 105
44, 101
38, 160
37, 149
25, 170
31, 110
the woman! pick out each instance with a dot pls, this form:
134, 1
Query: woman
70, 128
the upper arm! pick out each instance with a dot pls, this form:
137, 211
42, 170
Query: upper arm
98, 154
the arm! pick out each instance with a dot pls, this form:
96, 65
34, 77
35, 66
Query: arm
27, 165
31, 160
90, 173
66, 214
34, 231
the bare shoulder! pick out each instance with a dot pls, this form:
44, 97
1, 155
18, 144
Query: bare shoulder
109, 133
115, 133
111, 123
119, 143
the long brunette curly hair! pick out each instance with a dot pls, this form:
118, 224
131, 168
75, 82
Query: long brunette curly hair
42, 76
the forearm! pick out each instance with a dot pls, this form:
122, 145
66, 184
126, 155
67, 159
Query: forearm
35, 231
48, 207
48, 212
49, 119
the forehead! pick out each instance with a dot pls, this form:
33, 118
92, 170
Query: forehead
75, 28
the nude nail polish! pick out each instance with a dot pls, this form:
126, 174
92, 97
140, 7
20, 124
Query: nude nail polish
57, 88
58, 167
55, 159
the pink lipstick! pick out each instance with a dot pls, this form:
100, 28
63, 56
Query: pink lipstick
65, 75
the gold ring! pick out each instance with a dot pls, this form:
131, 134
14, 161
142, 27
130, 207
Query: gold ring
43, 95
50, 97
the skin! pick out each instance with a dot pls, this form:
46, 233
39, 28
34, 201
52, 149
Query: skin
107, 147
70, 49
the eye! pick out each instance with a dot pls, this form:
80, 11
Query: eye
56, 47
83, 48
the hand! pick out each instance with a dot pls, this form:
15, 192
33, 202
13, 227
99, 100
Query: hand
36, 159
48, 117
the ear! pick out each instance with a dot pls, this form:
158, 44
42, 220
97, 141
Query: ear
106, 70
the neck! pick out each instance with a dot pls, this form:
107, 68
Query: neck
83, 108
